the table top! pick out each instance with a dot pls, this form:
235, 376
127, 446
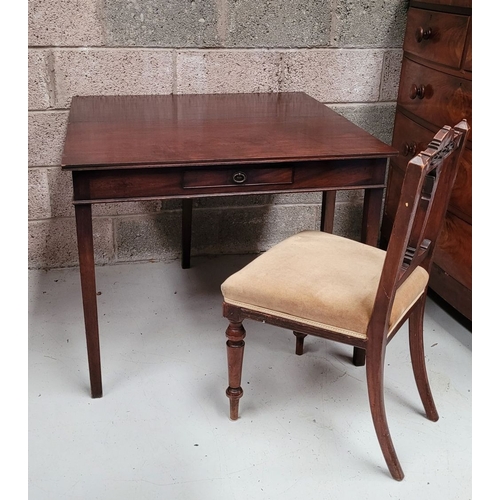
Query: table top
209, 129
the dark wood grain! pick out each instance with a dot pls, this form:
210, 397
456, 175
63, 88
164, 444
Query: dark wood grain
467, 65
445, 5
83, 214
328, 211
235, 344
372, 205
444, 39
169, 182
447, 98
108, 131
454, 252
454, 293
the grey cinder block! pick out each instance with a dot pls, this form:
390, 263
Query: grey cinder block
38, 194
39, 88
280, 23
348, 218
111, 71
161, 23
372, 23
227, 71
46, 133
249, 229
64, 22
333, 75
391, 72
61, 192
52, 242
377, 119
148, 237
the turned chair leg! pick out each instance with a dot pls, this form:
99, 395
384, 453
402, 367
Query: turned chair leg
375, 380
299, 344
235, 334
416, 330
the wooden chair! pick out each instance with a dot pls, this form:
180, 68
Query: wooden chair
320, 284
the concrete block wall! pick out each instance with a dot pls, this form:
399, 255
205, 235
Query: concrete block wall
345, 53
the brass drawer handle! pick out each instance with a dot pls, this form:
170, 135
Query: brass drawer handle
239, 177
423, 34
417, 91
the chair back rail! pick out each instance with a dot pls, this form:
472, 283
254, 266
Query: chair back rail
424, 199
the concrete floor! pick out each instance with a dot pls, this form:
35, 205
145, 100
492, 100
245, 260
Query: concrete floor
162, 430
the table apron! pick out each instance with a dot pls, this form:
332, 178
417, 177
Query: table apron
134, 183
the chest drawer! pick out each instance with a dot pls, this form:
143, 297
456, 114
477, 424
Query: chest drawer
438, 37
410, 138
436, 97
465, 4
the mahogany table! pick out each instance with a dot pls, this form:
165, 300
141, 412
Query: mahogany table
130, 148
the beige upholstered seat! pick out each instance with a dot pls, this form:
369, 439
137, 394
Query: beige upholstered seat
320, 279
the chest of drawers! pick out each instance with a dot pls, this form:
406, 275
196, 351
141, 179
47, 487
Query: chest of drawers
436, 89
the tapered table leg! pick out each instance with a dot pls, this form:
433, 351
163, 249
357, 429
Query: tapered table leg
328, 211
85, 241
372, 213
187, 220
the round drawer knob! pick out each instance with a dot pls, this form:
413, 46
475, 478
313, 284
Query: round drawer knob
409, 149
239, 177
423, 34
417, 91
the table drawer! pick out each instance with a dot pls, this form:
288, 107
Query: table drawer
438, 37
436, 97
205, 178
